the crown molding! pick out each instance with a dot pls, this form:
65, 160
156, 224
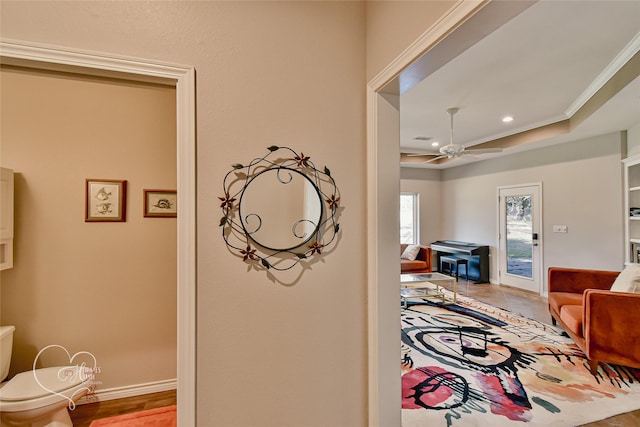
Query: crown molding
458, 14
625, 55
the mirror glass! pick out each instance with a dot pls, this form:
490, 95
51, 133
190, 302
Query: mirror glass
280, 209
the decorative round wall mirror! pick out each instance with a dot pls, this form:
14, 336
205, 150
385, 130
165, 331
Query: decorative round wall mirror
280, 211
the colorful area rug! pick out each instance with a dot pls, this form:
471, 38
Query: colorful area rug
472, 364
159, 417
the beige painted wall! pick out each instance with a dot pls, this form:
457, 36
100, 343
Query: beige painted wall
572, 174
633, 140
394, 25
105, 288
427, 183
581, 188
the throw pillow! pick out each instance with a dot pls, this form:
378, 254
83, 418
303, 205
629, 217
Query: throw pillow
411, 252
628, 280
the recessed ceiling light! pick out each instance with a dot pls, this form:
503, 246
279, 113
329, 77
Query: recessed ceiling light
507, 119
435, 143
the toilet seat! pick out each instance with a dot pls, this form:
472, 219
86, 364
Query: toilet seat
23, 392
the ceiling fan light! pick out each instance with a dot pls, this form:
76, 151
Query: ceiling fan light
451, 150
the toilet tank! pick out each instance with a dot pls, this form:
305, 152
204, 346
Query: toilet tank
6, 344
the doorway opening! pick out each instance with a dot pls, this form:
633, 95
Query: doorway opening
383, 177
183, 77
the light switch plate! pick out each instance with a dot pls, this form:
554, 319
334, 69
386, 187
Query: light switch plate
560, 229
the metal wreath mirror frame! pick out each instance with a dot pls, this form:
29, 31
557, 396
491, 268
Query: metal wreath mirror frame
279, 211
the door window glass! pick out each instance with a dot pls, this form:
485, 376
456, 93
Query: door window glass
519, 229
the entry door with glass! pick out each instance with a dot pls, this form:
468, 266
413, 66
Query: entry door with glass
520, 238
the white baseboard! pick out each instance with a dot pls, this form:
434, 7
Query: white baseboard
129, 391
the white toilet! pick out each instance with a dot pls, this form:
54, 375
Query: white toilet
24, 401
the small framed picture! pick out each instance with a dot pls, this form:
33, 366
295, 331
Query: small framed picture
105, 200
160, 204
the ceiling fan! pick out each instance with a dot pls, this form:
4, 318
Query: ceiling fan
453, 151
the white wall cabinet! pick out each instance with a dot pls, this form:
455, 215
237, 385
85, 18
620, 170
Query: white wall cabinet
6, 219
632, 208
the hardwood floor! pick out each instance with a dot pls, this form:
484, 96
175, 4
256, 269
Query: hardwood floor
521, 302
82, 415
535, 307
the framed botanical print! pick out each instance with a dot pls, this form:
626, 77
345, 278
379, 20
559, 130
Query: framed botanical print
160, 204
105, 200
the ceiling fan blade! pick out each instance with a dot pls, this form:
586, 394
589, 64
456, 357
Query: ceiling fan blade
417, 154
416, 159
435, 159
482, 150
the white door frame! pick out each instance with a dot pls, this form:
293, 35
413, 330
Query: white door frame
59, 58
383, 189
538, 218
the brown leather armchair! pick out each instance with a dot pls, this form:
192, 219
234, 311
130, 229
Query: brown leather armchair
603, 323
422, 263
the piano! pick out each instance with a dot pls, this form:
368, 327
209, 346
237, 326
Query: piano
477, 256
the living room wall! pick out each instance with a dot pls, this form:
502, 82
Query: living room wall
581, 188
427, 183
633, 140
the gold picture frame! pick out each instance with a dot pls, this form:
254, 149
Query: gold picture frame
160, 203
105, 200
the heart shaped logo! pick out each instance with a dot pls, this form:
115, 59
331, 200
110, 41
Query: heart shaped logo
72, 372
